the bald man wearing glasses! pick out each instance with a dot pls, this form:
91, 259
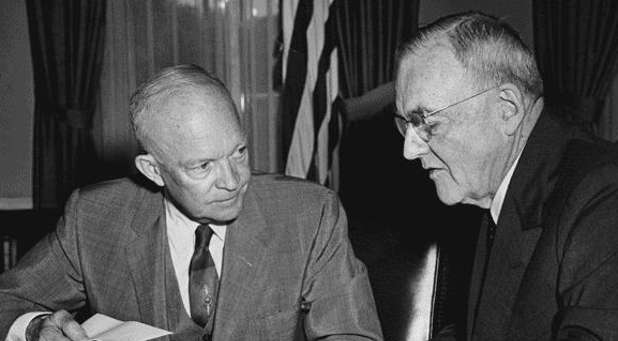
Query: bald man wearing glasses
470, 107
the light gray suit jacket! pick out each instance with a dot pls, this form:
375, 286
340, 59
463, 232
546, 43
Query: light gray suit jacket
288, 270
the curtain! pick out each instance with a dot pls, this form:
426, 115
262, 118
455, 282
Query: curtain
576, 43
374, 174
608, 123
233, 39
371, 164
369, 32
67, 47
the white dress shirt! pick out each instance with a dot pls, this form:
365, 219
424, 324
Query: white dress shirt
181, 234
181, 240
496, 204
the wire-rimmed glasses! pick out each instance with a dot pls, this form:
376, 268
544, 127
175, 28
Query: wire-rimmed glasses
417, 119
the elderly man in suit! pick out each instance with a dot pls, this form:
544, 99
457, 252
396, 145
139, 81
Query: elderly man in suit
471, 109
208, 253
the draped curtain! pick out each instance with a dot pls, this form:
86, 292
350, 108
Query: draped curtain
233, 39
576, 42
67, 47
369, 32
608, 123
374, 174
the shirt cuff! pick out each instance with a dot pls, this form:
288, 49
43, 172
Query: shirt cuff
18, 328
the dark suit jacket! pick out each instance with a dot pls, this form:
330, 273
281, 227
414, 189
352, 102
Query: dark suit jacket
288, 264
553, 267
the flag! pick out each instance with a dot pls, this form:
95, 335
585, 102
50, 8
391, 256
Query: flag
311, 121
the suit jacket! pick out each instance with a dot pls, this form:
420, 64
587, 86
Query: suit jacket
553, 267
288, 266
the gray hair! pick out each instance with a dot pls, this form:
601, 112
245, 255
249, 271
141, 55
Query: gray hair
169, 82
484, 45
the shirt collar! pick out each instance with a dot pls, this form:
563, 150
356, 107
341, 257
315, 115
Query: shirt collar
496, 204
180, 222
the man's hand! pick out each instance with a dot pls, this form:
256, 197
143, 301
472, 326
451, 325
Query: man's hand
59, 326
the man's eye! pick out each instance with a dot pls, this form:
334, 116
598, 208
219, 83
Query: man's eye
241, 152
432, 128
200, 171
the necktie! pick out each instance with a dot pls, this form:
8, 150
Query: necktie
202, 280
488, 221
491, 233
489, 241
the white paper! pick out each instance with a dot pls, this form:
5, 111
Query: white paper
424, 289
104, 328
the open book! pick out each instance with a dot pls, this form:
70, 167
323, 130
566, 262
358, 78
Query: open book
104, 328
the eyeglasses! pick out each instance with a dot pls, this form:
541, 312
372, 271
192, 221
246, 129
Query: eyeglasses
417, 119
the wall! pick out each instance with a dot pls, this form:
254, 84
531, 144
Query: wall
16, 107
516, 13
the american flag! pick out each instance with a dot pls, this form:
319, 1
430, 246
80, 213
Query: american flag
311, 119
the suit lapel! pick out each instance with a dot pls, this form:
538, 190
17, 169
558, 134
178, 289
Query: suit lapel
477, 274
245, 247
146, 257
510, 253
519, 228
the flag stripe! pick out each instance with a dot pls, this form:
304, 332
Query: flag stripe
334, 129
322, 101
296, 71
301, 147
314, 136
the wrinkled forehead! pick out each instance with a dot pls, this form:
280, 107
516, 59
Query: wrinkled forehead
186, 105
183, 116
428, 77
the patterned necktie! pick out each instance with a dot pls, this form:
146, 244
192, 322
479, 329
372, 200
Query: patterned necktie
202, 279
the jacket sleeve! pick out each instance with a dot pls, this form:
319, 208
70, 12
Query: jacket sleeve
337, 297
48, 277
588, 255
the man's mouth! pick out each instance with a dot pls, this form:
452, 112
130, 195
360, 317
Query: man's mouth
433, 172
227, 200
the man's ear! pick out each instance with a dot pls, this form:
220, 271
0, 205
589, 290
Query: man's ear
511, 107
148, 166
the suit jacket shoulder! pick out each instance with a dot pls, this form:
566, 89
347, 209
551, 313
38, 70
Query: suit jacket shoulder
557, 230
288, 189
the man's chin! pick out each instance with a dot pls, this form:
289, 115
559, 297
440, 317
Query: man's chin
226, 215
449, 202
229, 213
447, 197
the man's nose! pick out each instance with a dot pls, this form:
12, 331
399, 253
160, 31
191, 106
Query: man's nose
229, 178
413, 146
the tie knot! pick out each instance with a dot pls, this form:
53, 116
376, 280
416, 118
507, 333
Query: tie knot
203, 233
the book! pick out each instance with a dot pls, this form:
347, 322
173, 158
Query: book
101, 327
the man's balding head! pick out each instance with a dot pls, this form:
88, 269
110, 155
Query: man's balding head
489, 49
170, 86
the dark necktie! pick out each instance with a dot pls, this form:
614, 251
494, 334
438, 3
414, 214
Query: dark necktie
488, 221
202, 280
491, 233
489, 241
